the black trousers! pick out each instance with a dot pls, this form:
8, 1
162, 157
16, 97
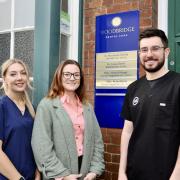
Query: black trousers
79, 162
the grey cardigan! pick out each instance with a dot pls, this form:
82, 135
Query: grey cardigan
54, 145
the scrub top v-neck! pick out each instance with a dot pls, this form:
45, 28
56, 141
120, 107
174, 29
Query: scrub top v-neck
154, 109
15, 132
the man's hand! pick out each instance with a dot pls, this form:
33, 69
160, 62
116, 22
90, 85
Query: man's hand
122, 176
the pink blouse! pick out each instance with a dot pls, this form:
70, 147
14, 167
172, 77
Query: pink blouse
75, 112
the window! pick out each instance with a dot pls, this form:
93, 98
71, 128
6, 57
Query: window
69, 29
17, 30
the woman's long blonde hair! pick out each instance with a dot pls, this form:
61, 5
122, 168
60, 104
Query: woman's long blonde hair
4, 69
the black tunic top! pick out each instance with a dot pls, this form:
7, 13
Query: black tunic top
155, 113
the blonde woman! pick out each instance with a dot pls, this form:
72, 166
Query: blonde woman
16, 123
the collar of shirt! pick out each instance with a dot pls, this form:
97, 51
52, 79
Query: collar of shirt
66, 101
66, 98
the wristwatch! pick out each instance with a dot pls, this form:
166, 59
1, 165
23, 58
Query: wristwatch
22, 178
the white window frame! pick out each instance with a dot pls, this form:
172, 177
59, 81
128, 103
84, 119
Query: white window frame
74, 29
73, 11
163, 18
12, 31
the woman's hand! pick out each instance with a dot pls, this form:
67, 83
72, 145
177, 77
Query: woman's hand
72, 177
37, 175
90, 176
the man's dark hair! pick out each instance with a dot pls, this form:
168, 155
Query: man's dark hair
151, 32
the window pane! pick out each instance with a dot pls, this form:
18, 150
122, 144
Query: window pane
4, 46
5, 14
4, 51
65, 23
65, 30
64, 47
24, 47
24, 13
64, 5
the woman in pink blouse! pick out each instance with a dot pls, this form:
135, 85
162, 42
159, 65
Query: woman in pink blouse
67, 141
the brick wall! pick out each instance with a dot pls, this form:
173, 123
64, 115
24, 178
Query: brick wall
93, 8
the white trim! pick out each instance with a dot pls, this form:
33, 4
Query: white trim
74, 24
26, 28
110, 94
5, 31
163, 18
18, 29
12, 27
163, 15
66, 34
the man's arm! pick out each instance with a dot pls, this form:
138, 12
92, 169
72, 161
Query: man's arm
126, 134
176, 172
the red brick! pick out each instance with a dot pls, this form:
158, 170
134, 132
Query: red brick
88, 71
119, 8
113, 149
92, 36
101, 11
108, 175
146, 22
107, 2
114, 176
115, 158
106, 139
95, 4
104, 131
107, 157
146, 13
135, 5
119, 1
115, 139
105, 148
114, 131
89, 13
112, 167
145, 4
93, 8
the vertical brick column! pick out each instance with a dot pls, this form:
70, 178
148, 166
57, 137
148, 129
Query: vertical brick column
93, 8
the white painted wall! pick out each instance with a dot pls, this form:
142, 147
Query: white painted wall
163, 17
74, 24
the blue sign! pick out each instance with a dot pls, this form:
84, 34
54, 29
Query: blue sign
116, 64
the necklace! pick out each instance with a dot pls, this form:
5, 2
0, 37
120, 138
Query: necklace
20, 105
22, 111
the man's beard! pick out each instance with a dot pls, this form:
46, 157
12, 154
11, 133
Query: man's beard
155, 69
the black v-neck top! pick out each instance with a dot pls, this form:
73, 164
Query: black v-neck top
155, 113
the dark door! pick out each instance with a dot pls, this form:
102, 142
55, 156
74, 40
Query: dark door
174, 34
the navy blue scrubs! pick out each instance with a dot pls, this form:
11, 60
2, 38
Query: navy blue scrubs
15, 132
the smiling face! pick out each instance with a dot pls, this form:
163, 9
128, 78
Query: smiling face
153, 59
15, 78
71, 78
